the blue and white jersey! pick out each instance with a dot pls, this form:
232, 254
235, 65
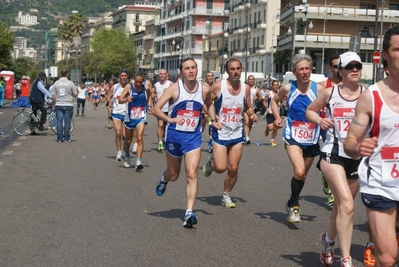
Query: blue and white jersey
230, 108
297, 127
188, 106
137, 109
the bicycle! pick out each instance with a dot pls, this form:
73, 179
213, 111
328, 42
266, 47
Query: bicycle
52, 118
25, 122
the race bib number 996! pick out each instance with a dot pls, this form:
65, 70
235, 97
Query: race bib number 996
190, 120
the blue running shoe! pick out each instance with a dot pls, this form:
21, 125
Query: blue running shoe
161, 186
189, 220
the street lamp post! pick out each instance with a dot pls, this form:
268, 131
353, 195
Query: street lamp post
324, 32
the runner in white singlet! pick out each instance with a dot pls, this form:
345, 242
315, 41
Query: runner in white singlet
377, 118
338, 168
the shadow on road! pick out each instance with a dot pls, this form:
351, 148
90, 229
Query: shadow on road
321, 201
216, 200
175, 213
304, 259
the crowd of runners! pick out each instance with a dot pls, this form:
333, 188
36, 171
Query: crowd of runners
351, 130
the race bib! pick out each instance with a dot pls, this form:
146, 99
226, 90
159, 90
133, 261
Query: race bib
231, 117
190, 118
303, 132
390, 165
137, 113
342, 120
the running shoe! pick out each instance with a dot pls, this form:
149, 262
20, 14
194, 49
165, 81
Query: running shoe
346, 262
327, 253
139, 166
227, 202
273, 143
160, 146
134, 149
247, 141
118, 156
161, 186
207, 168
109, 126
330, 199
189, 220
326, 190
127, 162
368, 256
293, 216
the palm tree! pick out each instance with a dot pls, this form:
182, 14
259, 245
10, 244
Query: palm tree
65, 34
77, 23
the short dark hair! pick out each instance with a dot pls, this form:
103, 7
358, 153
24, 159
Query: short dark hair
139, 75
333, 58
386, 43
226, 66
186, 59
64, 72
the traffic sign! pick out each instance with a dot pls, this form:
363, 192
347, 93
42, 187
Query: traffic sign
376, 57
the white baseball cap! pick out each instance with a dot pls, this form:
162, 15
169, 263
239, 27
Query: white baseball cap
346, 58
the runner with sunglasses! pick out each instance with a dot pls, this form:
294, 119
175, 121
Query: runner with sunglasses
338, 168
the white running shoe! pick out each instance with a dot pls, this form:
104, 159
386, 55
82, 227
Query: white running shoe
118, 156
134, 149
139, 166
227, 202
127, 162
293, 214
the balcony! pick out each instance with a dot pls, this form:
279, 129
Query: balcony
137, 22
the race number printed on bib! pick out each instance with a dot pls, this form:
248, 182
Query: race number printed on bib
390, 165
303, 132
190, 120
137, 113
231, 117
342, 120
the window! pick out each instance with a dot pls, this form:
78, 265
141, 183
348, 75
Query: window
261, 66
366, 31
256, 66
393, 6
262, 40
209, 4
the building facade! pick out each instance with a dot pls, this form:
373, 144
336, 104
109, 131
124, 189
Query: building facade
182, 28
26, 19
321, 28
253, 34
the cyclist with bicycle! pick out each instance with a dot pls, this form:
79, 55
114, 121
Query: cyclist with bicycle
37, 94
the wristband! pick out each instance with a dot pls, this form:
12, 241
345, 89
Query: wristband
215, 120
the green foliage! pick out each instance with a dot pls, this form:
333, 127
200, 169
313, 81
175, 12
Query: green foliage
112, 51
24, 67
6, 43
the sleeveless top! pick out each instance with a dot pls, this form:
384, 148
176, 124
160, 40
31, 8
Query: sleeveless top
230, 108
159, 88
253, 96
137, 109
342, 111
116, 107
187, 106
379, 173
298, 128
271, 95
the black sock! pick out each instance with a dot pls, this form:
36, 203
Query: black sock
296, 188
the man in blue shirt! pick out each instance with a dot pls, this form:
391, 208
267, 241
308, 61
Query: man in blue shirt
36, 99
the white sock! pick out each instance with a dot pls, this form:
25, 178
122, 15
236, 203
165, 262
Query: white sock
327, 239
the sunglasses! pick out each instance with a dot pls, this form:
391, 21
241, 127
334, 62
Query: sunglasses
350, 66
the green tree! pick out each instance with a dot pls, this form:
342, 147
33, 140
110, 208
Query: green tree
24, 67
112, 51
6, 43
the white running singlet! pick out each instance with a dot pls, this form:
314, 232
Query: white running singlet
118, 108
379, 173
342, 112
159, 88
230, 108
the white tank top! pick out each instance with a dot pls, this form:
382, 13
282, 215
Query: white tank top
342, 111
253, 96
118, 108
379, 173
230, 109
159, 88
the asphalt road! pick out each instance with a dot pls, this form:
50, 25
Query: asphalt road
74, 205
